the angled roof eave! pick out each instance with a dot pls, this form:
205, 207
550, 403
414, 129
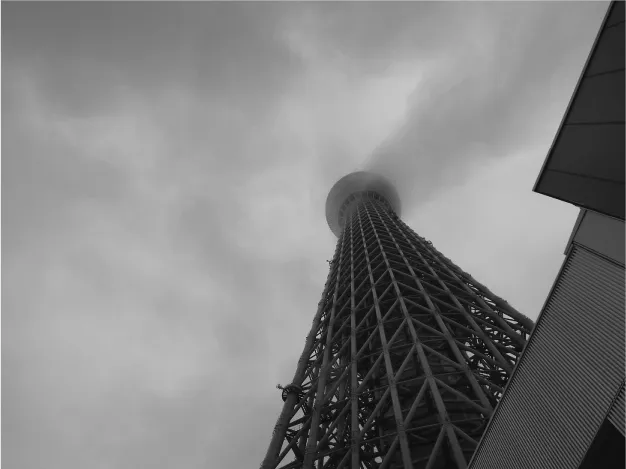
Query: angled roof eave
572, 99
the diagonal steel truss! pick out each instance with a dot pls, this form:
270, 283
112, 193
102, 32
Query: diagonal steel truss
405, 362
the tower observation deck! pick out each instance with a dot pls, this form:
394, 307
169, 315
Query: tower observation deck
407, 356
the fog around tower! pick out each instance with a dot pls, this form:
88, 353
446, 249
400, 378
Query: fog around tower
485, 99
165, 172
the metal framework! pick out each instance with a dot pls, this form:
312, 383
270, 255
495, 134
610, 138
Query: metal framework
407, 357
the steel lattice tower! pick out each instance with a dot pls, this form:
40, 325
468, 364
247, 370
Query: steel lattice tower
408, 355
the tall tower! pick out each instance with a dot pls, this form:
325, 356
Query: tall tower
408, 355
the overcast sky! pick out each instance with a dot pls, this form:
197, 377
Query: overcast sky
165, 168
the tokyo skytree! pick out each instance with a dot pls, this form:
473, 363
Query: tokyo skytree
408, 355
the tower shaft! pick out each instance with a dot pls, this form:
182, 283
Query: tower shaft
406, 360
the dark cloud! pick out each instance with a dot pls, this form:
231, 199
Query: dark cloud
85, 55
44, 175
374, 37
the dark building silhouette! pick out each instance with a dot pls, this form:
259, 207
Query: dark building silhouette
408, 355
585, 165
564, 405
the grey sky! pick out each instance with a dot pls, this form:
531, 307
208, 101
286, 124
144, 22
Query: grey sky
165, 171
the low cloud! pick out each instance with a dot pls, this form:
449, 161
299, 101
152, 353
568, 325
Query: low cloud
498, 90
